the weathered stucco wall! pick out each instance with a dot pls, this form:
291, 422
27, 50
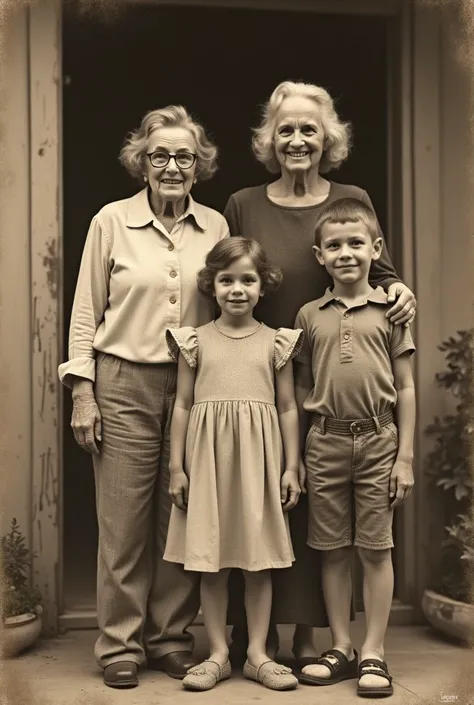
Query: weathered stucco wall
15, 331
456, 192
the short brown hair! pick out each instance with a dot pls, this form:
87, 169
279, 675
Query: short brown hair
346, 210
227, 251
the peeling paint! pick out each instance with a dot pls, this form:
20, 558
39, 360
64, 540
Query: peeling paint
36, 325
51, 265
48, 493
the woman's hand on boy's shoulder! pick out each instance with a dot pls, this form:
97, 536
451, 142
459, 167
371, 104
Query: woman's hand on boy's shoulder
403, 310
179, 489
401, 482
290, 489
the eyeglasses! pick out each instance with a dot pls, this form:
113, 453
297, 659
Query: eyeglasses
184, 160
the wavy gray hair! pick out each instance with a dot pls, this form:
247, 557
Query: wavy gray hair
133, 152
337, 141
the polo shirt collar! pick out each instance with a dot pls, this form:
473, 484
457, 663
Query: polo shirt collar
377, 296
141, 214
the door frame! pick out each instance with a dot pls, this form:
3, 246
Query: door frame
413, 208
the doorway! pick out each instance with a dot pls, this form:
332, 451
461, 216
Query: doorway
222, 64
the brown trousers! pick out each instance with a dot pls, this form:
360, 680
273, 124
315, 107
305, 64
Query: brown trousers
144, 604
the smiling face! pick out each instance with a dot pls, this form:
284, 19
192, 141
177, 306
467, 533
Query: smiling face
170, 183
238, 287
299, 135
347, 251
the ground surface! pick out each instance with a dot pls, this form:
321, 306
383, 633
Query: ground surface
62, 671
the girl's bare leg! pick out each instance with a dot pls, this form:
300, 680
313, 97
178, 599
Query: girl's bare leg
258, 605
214, 599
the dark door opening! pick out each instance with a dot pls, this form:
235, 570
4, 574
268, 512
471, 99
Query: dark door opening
222, 64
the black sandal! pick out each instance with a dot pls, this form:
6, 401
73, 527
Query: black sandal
372, 666
342, 670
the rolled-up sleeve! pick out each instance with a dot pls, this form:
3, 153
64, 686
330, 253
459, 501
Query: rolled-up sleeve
90, 302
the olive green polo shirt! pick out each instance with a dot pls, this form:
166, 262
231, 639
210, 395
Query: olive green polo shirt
350, 350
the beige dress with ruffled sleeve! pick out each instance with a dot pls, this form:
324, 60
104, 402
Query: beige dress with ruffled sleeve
234, 455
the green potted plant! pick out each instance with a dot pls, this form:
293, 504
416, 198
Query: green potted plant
20, 602
449, 606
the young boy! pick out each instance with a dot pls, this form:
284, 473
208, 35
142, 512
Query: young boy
355, 385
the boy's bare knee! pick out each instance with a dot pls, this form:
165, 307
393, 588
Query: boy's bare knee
375, 556
337, 555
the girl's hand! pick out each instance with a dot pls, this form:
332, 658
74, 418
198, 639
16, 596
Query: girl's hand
404, 308
179, 488
302, 476
401, 482
86, 422
290, 490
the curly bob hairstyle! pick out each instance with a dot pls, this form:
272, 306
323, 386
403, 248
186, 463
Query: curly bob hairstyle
133, 152
226, 252
337, 134
346, 210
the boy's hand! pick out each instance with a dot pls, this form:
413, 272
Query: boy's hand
404, 308
401, 482
179, 488
290, 490
302, 476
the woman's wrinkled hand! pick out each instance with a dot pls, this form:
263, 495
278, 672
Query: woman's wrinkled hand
404, 308
86, 423
179, 488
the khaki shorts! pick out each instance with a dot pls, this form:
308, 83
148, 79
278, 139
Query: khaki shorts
348, 488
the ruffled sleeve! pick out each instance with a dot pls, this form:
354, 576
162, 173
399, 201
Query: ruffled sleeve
288, 344
183, 340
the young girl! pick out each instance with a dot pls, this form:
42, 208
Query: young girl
234, 456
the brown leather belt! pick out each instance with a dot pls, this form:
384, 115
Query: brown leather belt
346, 428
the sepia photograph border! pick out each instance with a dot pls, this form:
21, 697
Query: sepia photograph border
458, 16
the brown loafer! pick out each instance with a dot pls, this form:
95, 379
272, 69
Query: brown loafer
121, 674
176, 664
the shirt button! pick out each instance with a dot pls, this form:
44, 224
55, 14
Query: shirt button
170, 247
346, 336
173, 274
172, 299
347, 314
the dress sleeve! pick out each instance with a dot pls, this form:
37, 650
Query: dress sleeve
232, 215
90, 301
382, 272
183, 340
304, 352
288, 344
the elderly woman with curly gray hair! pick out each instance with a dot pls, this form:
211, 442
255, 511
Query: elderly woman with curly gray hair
137, 278
299, 140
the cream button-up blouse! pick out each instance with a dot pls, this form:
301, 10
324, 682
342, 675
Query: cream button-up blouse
136, 280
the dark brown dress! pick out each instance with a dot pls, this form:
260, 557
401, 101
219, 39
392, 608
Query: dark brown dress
287, 235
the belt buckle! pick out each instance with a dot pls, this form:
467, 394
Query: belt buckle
355, 427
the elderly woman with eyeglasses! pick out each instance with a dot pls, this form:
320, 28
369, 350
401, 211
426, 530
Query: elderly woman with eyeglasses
299, 140
138, 277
